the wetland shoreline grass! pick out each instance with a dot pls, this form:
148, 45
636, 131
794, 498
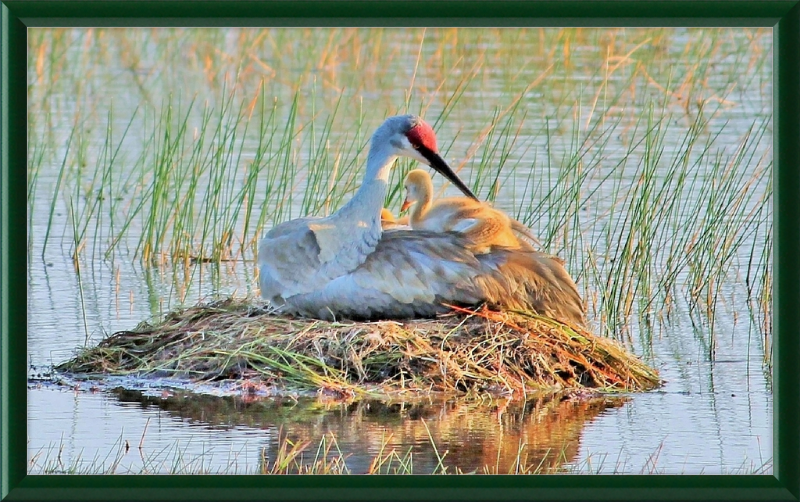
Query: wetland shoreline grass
507, 353
323, 456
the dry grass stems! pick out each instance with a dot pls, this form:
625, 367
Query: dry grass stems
466, 351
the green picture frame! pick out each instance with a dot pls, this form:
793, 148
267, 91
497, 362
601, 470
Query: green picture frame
782, 16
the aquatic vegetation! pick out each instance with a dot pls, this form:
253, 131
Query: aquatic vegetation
485, 351
321, 453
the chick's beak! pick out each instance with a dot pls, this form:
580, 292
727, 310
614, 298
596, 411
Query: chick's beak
406, 205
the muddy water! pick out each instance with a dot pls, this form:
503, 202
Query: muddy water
710, 416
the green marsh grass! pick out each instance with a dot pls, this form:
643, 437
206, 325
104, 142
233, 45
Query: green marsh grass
323, 456
633, 165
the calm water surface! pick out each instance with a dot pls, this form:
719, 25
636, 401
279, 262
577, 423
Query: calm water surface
709, 417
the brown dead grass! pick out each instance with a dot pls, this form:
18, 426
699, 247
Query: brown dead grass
499, 352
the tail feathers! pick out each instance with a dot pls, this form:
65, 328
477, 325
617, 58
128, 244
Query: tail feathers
524, 231
535, 282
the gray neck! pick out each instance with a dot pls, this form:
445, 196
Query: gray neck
363, 210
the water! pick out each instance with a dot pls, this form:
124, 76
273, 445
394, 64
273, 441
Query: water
709, 417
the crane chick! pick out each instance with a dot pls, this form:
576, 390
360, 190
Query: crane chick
389, 222
484, 225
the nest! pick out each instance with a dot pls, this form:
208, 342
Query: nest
482, 350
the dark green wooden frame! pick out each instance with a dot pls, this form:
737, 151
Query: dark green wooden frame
17, 15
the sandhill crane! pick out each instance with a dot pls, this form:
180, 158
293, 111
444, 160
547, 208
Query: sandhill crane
345, 266
484, 225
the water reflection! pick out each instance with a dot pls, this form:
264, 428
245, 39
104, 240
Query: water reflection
498, 436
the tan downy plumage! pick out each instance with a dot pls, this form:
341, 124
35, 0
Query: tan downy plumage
387, 217
388, 221
484, 225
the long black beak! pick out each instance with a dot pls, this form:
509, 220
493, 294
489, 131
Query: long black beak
442, 168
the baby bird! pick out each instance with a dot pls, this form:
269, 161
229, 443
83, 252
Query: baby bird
388, 221
484, 225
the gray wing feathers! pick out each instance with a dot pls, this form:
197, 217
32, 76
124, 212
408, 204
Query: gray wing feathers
411, 273
298, 256
282, 259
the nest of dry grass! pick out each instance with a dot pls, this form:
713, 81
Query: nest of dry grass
504, 352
